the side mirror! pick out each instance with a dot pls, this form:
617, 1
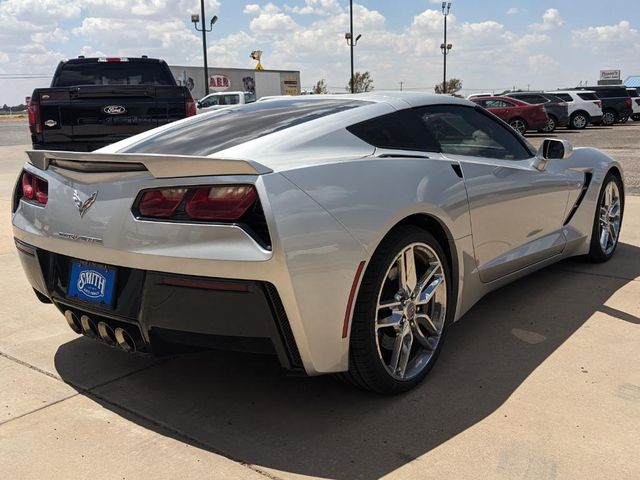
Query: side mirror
199, 104
552, 149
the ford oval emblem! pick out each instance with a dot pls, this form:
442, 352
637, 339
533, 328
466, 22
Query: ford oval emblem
114, 109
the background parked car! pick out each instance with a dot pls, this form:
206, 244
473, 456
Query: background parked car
557, 109
635, 98
215, 101
520, 115
584, 107
616, 103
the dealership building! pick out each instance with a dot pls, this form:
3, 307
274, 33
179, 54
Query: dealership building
260, 82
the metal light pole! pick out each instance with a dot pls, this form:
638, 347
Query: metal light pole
445, 47
351, 42
195, 19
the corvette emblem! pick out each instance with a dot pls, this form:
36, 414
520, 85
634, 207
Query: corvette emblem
114, 109
86, 205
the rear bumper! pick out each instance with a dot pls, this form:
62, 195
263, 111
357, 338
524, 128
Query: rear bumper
165, 312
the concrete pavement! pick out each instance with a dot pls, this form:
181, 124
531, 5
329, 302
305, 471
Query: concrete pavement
540, 380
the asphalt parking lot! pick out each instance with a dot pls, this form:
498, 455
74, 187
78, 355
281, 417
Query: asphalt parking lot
540, 380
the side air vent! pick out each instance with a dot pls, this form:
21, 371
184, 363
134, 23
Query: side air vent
283, 326
588, 176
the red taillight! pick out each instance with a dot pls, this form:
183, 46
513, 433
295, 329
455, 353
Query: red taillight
161, 203
34, 116
628, 102
190, 106
212, 203
227, 202
598, 103
34, 189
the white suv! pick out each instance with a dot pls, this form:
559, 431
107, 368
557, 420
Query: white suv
584, 107
635, 99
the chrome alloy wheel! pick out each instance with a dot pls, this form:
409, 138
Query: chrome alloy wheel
519, 126
411, 311
610, 218
579, 121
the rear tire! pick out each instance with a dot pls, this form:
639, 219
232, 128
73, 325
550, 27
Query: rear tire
636, 117
393, 348
579, 121
624, 119
519, 125
608, 220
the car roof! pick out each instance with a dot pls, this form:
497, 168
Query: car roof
520, 103
393, 97
571, 91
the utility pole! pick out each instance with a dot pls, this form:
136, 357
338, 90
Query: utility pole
445, 47
350, 41
195, 19
401, 83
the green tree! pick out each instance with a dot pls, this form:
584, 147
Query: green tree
363, 82
454, 85
320, 88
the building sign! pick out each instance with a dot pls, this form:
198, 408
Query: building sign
609, 74
219, 83
290, 85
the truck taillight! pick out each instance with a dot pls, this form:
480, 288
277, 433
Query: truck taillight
190, 106
33, 110
598, 103
219, 203
34, 189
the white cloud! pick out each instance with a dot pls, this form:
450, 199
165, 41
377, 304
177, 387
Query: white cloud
317, 7
513, 11
550, 21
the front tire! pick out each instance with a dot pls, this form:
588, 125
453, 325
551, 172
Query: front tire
607, 221
402, 310
579, 121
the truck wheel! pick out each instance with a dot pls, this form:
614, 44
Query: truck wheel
609, 117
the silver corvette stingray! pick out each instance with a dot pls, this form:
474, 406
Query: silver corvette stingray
343, 234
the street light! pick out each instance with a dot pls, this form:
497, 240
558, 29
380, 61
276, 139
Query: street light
445, 47
351, 42
195, 19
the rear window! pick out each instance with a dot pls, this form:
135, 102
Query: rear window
588, 96
633, 93
112, 73
565, 97
205, 134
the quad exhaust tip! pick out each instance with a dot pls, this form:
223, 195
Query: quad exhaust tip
106, 333
125, 341
89, 327
73, 321
103, 331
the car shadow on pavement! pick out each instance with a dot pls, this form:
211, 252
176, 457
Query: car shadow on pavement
245, 408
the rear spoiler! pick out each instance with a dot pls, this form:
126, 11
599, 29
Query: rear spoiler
159, 165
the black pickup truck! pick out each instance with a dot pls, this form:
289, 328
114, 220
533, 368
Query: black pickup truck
93, 102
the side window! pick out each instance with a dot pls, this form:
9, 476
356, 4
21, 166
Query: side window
565, 97
496, 104
467, 131
402, 130
233, 99
588, 96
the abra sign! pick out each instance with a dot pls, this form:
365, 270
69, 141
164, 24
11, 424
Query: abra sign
219, 83
609, 74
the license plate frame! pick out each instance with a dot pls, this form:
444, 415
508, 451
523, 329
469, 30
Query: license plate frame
92, 283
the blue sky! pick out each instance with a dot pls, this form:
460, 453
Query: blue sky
497, 44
